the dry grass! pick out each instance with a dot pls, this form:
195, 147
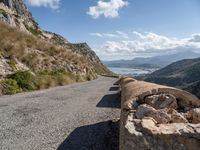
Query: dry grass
40, 55
29, 49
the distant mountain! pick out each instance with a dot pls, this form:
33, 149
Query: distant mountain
153, 62
183, 74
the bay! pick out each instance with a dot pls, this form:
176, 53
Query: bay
131, 71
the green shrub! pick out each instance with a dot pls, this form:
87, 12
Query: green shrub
24, 80
79, 78
46, 79
43, 81
10, 86
35, 32
12, 64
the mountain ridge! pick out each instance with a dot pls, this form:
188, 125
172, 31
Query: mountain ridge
153, 62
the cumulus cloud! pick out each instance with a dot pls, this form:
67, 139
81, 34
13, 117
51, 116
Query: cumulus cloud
96, 34
117, 34
122, 34
54, 4
104, 35
150, 43
107, 9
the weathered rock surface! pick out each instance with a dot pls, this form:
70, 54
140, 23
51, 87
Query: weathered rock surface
158, 117
16, 14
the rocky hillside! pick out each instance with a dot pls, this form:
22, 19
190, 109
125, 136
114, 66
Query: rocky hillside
46, 59
16, 14
184, 74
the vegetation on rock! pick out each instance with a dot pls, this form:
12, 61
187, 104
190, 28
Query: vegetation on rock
48, 64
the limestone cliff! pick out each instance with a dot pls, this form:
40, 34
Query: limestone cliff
16, 14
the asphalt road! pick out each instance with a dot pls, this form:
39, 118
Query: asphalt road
74, 117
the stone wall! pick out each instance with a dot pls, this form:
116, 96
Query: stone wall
158, 117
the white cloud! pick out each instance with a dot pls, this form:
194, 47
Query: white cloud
104, 35
117, 34
107, 9
110, 35
96, 34
150, 43
54, 4
123, 35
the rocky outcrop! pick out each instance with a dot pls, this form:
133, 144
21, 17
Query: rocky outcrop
55, 38
8, 67
84, 50
79, 48
158, 117
15, 13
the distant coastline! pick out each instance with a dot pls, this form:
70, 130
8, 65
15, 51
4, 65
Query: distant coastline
131, 71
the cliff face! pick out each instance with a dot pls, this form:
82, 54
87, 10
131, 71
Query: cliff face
16, 14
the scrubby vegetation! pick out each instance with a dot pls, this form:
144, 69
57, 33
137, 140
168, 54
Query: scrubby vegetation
24, 81
9, 86
35, 32
49, 65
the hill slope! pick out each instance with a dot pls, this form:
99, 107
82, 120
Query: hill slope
184, 74
34, 59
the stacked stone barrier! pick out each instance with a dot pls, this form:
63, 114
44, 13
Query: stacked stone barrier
156, 117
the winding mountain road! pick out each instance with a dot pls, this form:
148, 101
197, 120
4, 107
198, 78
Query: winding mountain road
73, 117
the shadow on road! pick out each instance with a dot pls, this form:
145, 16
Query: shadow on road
110, 101
100, 136
114, 88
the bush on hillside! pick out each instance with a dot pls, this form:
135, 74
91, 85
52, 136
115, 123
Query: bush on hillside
46, 79
10, 86
24, 80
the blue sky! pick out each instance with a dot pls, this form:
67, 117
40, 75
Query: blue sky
123, 29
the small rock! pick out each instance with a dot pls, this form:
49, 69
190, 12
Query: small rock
147, 111
177, 117
194, 115
161, 101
